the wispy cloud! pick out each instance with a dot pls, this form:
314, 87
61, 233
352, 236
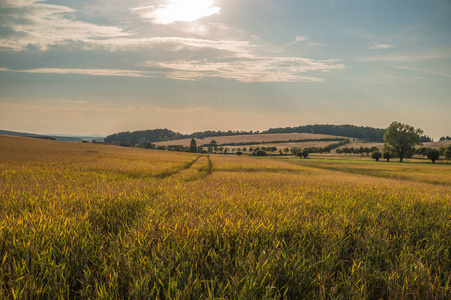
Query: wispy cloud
316, 44
156, 109
64, 102
82, 105
255, 69
177, 10
244, 69
408, 57
40, 25
92, 72
425, 71
240, 48
297, 39
377, 46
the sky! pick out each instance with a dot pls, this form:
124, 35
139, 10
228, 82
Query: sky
105, 66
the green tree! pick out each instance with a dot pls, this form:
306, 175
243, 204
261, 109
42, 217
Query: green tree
193, 146
433, 154
447, 153
401, 139
239, 153
295, 151
376, 155
259, 153
304, 153
387, 155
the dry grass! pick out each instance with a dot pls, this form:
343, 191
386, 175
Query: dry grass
92, 221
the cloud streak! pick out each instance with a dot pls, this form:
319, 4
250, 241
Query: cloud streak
255, 69
377, 46
84, 106
297, 39
91, 72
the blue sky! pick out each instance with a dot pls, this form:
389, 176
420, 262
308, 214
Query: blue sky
103, 66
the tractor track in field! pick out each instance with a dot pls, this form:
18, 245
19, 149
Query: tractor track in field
198, 170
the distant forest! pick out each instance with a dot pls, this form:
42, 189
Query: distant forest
159, 135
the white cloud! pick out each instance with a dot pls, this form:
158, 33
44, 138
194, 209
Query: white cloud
255, 69
92, 72
236, 48
177, 10
41, 25
297, 39
377, 46
244, 69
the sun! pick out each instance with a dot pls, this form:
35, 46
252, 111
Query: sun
183, 11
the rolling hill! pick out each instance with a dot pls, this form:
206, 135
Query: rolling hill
266, 138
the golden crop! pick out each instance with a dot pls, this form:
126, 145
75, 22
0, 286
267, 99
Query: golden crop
93, 221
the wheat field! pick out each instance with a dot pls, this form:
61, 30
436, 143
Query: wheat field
93, 221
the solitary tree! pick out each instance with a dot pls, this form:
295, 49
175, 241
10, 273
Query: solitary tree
193, 146
433, 155
401, 139
376, 155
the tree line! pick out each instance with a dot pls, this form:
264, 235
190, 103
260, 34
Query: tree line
365, 133
368, 134
213, 142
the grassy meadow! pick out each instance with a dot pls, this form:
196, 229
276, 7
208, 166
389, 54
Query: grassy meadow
94, 221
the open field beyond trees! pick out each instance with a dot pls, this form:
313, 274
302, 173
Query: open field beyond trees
252, 138
95, 221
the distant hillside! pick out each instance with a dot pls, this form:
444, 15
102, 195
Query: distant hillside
361, 132
55, 137
248, 139
160, 135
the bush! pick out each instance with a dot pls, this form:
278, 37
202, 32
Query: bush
239, 153
433, 155
376, 155
259, 153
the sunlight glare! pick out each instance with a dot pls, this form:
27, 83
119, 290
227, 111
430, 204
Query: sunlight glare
184, 11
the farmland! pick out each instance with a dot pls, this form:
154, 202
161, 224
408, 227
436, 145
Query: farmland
252, 138
94, 221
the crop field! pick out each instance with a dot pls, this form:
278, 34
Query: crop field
251, 138
95, 221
